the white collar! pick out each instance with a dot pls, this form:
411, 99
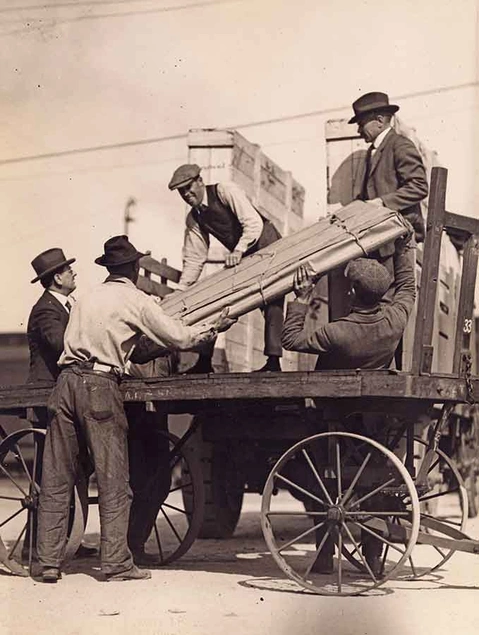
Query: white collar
380, 138
63, 299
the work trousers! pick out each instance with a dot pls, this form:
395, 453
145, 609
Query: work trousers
86, 417
150, 474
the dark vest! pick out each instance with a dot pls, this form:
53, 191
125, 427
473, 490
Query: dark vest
218, 219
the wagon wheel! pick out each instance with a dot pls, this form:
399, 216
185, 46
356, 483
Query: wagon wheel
443, 497
20, 466
355, 486
176, 527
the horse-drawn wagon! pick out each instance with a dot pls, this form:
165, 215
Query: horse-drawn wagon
343, 471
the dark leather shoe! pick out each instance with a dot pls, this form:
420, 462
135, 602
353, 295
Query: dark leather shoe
86, 552
200, 368
51, 575
143, 559
376, 566
132, 574
272, 366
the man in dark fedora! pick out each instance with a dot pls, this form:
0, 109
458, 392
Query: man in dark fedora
224, 211
393, 173
86, 407
46, 327
49, 317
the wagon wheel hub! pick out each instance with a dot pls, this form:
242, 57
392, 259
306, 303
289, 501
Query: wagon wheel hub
30, 502
335, 514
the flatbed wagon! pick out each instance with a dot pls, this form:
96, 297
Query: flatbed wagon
355, 486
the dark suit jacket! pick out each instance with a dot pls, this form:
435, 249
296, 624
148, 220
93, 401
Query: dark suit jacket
46, 328
397, 176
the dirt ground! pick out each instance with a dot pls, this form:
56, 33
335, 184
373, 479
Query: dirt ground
234, 586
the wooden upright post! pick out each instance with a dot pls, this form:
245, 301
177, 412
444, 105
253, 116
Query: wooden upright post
423, 349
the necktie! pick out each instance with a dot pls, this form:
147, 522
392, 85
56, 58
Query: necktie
68, 306
364, 188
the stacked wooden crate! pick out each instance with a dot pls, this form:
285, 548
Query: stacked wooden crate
225, 155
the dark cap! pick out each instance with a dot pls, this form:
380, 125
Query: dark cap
372, 102
183, 175
369, 277
118, 251
50, 261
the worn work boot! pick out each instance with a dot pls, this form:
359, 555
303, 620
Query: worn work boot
51, 575
132, 574
272, 365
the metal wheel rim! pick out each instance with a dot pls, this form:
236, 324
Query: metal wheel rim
267, 529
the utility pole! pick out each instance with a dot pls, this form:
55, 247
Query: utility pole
127, 217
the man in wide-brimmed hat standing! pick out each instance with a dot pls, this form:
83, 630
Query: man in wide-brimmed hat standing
224, 211
86, 407
393, 173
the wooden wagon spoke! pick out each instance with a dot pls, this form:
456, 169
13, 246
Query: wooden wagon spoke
340, 561
172, 527
317, 476
10, 498
378, 536
443, 520
442, 554
300, 489
372, 493
158, 541
17, 485
19, 511
317, 552
372, 514
19, 456
358, 550
356, 478
438, 494
20, 536
301, 536
338, 470
296, 513
176, 509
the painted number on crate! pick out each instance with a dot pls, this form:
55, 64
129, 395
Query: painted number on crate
467, 326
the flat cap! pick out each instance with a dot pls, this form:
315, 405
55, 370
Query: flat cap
183, 175
369, 276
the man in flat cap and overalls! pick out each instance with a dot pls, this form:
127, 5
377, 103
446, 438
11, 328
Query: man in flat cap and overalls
393, 173
224, 211
365, 338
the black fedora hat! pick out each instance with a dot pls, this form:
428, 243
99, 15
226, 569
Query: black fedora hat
372, 102
50, 261
118, 251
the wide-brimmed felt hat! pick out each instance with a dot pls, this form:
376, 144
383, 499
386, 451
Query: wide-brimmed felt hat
369, 276
50, 261
372, 102
183, 175
118, 251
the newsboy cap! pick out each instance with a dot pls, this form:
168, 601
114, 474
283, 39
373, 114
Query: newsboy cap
369, 276
371, 102
118, 251
50, 261
183, 175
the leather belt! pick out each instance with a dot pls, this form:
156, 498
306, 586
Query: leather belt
104, 368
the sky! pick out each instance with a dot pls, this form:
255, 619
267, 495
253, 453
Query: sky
97, 97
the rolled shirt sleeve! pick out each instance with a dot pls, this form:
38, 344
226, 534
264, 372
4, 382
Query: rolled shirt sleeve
195, 252
251, 222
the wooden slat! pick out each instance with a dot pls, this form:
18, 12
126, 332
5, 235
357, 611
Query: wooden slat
152, 287
160, 268
422, 351
466, 302
463, 223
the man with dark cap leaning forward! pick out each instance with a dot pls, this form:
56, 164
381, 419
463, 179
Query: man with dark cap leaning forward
366, 338
224, 211
86, 407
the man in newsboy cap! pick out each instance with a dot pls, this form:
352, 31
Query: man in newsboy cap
365, 338
393, 173
224, 211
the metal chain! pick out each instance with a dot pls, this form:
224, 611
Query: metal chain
468, 377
